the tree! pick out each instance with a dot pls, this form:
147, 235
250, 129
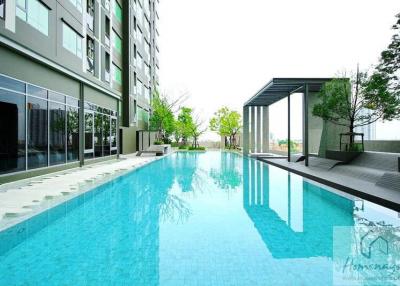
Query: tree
196, 131
162, 118
385, 79
226, 122
184, 124
355, 102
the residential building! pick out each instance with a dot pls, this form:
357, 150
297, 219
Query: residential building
71, 89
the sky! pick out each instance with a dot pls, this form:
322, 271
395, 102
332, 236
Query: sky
221, 52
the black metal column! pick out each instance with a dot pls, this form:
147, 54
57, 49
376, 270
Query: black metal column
81, 125
288, 139
305, 123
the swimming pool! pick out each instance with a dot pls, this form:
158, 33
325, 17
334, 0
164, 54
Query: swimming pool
211, 218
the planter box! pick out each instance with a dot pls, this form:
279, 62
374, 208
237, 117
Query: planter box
344, 156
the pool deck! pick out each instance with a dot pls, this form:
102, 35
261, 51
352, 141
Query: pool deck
357, 187
23, 199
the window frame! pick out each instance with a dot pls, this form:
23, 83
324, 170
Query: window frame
25, 10
4, 10
77, 36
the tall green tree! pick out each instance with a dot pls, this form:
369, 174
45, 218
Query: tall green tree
353, 103
196, 131
184, 124
228, 123
385, 79
162, 117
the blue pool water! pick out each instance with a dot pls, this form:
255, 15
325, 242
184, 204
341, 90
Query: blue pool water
188, 219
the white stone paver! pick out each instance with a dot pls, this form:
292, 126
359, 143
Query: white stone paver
22, 199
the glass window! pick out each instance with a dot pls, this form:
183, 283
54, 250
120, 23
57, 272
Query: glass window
117, 42
12, 130
6, 82
57, 133
72, 133
2, 8
107, 68
114, 129
77, 4
139, 61
37, 91
139, 14
98, 135
37, 133
143, 117
34, 13
90, 55
117, 74
89, 129
72, 101
90, 14
106, 135
139, 36
72, 41
107, 31
56, 97
118, 11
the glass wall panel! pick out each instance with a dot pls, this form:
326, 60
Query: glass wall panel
89, 130
113, 137
6, 82
37, 91
56, 97
37, 133
98, 135
72, 134
106, 135
12, 130
57, 133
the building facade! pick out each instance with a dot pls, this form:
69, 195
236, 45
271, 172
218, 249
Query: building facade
76, 78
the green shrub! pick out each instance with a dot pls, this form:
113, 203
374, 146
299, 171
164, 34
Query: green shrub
158, 143
356, 147
175, 144
191, 148
183, 147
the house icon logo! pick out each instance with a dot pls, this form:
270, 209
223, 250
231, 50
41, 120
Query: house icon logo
372, 242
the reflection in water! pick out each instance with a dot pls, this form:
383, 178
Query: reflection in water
284, 206
185, 170
175, 209
227, 175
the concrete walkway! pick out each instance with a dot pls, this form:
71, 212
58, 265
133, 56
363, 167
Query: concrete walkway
23, 199
345, 182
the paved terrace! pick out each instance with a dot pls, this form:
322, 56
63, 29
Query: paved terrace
23, 199
347, 182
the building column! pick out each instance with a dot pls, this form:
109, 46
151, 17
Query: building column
259, 131
252, 129
246, 133
265, 130
289, 135
305, 123
81, 125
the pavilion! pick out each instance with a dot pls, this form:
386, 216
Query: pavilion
255, 129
